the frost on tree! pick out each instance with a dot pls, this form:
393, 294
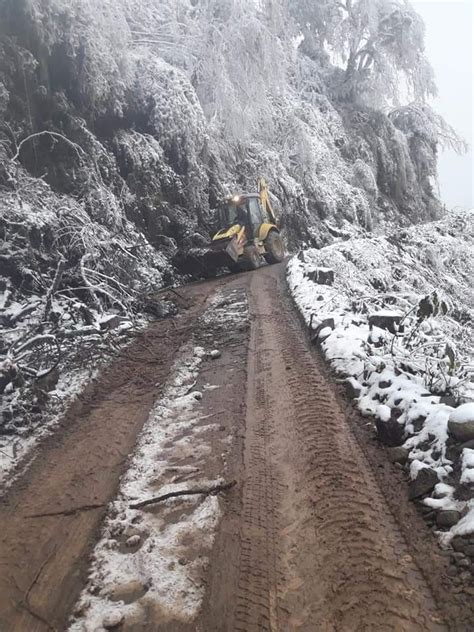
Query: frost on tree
136, 117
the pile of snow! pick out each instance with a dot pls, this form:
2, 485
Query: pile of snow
397, 324
154, 557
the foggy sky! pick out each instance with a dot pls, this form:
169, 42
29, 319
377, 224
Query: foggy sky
449, 35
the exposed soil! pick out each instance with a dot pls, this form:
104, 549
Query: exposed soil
308, 541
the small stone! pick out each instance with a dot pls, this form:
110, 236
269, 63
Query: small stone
461, 423
447, 518
110, 322
318, 326
133, 540
389, 322
385, 384
398, 454
130, 529
448, 400
352, 391
197, 395
464, 563
127, 592
418, 423
322, 276
390, 432
424, 483
183, 561
81, 607
112, 620
215, 353
469, 550
459, 543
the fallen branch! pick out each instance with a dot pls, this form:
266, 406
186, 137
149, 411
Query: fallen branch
50, 627
214, 489
37, 576
218, 412
54, 287
66, 512
25, 601
90, 287
85, 331
24, 312
78, 149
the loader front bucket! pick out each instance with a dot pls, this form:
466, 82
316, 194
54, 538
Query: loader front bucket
205, 262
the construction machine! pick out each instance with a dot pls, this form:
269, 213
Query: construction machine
248, 229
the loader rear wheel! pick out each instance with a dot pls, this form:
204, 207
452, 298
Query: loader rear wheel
275, 250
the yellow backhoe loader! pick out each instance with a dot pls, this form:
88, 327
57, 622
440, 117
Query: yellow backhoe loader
248, 229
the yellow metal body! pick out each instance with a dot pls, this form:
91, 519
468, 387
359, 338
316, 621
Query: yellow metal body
263, 229
234, 239
234, 231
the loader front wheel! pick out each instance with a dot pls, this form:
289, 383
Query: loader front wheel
275, 250
235, 268
251, 258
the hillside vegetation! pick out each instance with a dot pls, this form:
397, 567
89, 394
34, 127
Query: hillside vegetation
123, 123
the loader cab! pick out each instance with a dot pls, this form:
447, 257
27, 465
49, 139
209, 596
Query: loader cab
230, 211
245, 210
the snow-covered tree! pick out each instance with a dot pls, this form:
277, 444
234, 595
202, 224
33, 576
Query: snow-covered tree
378, 43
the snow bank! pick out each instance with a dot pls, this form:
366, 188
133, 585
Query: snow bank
400, 311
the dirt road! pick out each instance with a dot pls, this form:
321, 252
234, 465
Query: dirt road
307, 542
315, 546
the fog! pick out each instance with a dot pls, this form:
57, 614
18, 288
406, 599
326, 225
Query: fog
449, 35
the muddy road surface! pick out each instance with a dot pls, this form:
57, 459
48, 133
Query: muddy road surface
307, 541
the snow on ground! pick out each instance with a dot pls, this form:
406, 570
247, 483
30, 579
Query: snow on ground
417, 282
154, 558
15, 449
31, 409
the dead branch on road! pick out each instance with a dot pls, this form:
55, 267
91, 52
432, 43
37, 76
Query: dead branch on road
207, 491
24, 603
66, 512
50, 627
54, 287
37, 576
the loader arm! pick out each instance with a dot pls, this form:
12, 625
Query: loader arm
265, 199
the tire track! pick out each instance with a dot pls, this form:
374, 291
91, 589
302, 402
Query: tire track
319, 547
